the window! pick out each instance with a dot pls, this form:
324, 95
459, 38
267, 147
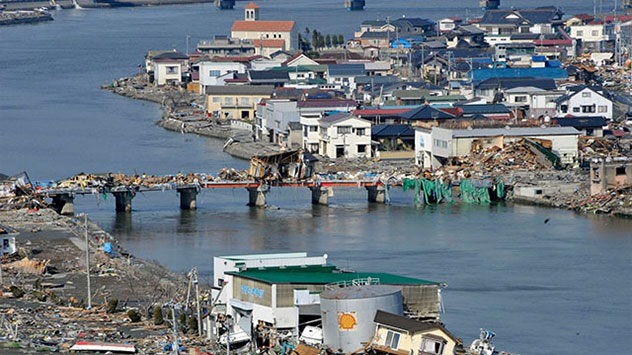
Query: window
580, 33
214, 73
521, 99
586, 94
361, 148
575, 109
392, 340
172, 70
620, 171
588, 109
313, 128
228, 101
602, 108
245, 101
441, 143
344, 130
217, 99
431, 346
595, 33
360, 131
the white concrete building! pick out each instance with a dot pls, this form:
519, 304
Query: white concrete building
273, 35
214, 73
449, 23
584, 101
167, 72
225, 290
536, 101
344, 135
434, 147
7, 240
595, 36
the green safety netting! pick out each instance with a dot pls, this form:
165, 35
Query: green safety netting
432, 190
500, 190
473, 194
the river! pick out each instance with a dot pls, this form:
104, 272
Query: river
561, 287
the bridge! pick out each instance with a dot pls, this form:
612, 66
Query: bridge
63, 198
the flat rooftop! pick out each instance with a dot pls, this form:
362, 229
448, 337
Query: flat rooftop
322, 275
265, 256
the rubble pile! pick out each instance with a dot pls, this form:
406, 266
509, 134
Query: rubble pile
617, 201
595, 147
17, 192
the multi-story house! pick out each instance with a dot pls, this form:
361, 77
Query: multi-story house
343, 135
499, 25
585, 101
595, 36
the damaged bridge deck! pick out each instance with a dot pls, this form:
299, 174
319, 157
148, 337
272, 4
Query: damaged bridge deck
63, 198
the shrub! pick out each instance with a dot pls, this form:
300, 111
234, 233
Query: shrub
133, 316
158, 316
111, 306
16, 291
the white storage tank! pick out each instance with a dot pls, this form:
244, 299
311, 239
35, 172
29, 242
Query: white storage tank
348, 313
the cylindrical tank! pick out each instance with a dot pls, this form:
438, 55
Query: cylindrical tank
348, 313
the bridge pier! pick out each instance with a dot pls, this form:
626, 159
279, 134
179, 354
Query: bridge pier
376, 194
320, 195
123, 200
64, 204
188, 198
257, 196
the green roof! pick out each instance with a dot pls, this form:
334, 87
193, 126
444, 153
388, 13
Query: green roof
320, 275
445, 98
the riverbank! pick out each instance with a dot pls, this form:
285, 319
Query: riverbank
45, 287
91, 4
565, 189
23, 17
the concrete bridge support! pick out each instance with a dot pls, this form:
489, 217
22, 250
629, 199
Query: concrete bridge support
123, 201
376, 194
320, 195
257, 196
64, 204
188, 198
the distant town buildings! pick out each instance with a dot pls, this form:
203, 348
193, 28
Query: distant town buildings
538, 69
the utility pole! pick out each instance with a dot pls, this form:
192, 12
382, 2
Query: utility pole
85, 219
175, 332
187, 53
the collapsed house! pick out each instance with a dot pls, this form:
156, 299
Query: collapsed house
293, 164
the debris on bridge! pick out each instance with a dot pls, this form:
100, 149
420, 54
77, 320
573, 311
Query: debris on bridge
292, 164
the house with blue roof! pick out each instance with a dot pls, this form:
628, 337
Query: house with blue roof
479, 75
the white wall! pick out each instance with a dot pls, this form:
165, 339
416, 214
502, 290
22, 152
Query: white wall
586, 97
164, 72
350, 141
211, 71
593, 33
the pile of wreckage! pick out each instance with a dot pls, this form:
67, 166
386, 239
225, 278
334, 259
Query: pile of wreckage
523, 154
597, 147
616, 201
18, 192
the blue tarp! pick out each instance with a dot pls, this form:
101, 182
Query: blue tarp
544, 73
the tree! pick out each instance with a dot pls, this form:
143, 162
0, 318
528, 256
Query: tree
321, 40
341, 40
306, 31
328, 41
334, 40
315, 39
